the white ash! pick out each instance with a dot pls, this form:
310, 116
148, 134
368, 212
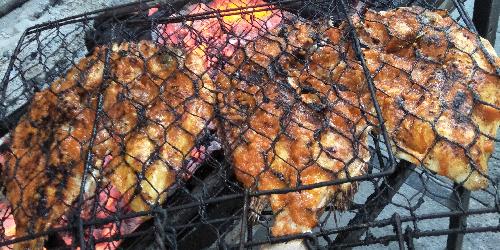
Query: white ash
57, 46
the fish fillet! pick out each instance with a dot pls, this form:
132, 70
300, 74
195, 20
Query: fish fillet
156, 105
439, 94
277, 138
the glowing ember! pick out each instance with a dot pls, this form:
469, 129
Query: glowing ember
220, 36
7, 225
109, 200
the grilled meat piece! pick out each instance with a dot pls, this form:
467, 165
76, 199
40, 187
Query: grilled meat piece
438, 92
176, 105
439, 100
155, 108
276, 138
43, 171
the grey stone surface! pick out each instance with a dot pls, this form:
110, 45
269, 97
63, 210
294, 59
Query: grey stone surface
39, 11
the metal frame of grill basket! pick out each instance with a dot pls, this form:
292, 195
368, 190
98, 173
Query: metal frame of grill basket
212, 209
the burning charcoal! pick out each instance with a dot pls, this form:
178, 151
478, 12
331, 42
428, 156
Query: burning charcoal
215, 36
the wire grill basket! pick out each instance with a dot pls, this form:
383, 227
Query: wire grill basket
245, 123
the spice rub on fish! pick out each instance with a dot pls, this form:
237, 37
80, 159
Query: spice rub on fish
436, 82
278, 138
155, 107
439, 91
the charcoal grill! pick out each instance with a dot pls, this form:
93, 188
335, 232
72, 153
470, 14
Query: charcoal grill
398, 204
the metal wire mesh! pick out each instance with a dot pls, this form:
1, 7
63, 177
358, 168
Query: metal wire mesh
244, 123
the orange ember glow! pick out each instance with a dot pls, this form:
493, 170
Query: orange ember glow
7, 224
211, 37
234, 18
109, 200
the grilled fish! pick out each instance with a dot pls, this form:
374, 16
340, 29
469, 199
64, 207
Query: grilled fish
439, 91
155, 105
277, 138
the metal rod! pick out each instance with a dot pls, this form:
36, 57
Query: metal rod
390, 238
5, 79
249, 231
463, 14
409, 238
159, 230
455, 240
90, 156
369, 81
325, 183
376, 202
244, 220
399, 231
378, 151
485, 20
379, 240
86, 171
380, 223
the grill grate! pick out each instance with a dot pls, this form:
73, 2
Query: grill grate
243, 123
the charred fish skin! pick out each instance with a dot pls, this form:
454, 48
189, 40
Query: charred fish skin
287, 128
427, 93
154, 110
437, 88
